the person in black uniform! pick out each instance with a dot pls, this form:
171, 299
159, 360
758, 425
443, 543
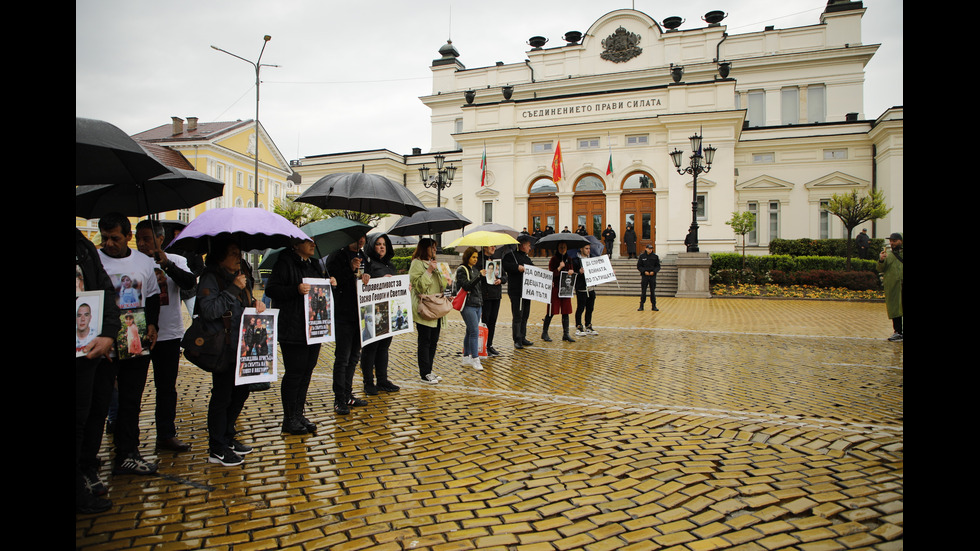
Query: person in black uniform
648, 264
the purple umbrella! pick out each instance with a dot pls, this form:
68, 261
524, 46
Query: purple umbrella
251, 228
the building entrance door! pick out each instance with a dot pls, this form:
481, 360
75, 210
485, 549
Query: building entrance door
590, 211
638, 208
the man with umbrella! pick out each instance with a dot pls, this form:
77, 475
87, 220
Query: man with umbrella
346, 267
520, 309
173, 276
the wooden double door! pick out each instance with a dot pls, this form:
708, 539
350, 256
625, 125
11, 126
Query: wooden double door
638, 208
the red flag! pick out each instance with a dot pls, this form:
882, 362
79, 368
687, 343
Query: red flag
556, 163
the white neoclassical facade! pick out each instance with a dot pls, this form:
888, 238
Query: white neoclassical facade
782, 107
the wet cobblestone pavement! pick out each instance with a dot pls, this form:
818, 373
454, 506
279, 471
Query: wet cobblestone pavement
711, 424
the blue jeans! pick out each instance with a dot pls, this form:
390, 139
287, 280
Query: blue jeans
471, 343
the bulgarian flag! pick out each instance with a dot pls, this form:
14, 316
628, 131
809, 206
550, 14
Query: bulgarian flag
483, 167
609, 167
556, 163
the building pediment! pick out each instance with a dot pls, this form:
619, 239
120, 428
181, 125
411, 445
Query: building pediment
765, 183
836, 182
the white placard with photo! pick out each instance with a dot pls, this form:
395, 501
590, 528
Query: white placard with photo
384, 308
256, 361
318, 309
88, 318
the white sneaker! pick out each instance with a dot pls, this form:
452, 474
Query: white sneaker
475, 362
580, 331
467, 361
591, 331
430, 379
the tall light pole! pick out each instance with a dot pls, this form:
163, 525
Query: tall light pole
257, 65
443, 179
697, 166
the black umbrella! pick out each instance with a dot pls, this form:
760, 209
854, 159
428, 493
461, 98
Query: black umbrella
357, 191
177, 189
596, 249
573, 240
427, 222
104, 154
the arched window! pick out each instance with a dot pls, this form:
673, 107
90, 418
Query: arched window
543, 185
639, 180
589, 182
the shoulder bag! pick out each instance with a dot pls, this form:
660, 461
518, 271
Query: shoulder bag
460, 299
433, 307
211, 351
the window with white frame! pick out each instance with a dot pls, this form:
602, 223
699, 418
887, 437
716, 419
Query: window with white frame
251, 181
762, 158
816, 103
638, 139
702, 206
487, 212
238, 179
773, 220
588, 143
542, 147
834, 154
752, 238
789, 108
824, 220
756, 113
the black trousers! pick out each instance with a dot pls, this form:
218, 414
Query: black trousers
346, 355
84, 384
227, 402
491, 307
585, 302
374, 362
651, 282
129, 377
298, 362
166, 359
520, 309
428, 338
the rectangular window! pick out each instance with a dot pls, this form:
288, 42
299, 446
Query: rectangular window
596, 224
763, 157
824, 219
261, 185
752, 238
184, 215
542, 147
238, 179
702, 207
834, 154
487, 212
640, 139
536, 223
789, 105
816, 103
773, 220
756, 115
588, 143
251, 181
645, 226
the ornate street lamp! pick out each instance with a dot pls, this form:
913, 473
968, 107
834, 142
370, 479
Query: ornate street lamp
443, 179
698, 165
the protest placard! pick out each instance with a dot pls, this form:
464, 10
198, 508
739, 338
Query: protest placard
537, 284
318, 306
385, 308
256, 361
598, 270
88, 318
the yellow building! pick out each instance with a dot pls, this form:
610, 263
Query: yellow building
222, 150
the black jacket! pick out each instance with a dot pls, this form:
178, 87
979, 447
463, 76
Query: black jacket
93, 276
512, 260
345, 293
379, 266
468, 278
283, 289
648, 263
491, 291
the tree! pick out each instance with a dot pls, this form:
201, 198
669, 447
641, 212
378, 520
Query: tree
742, 223
302, 214
854, 210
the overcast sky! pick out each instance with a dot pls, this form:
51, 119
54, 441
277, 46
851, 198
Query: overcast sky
351, 73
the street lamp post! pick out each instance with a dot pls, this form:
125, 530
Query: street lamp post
698, 164
443, 179
257, 65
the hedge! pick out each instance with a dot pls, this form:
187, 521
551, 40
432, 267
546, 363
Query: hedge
816, 271
822, 247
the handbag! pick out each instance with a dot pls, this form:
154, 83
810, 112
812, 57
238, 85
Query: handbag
460, 299
209, 350
433, 307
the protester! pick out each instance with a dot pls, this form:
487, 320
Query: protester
891, 264
584, 295
173, 276
374, 356
648, 263
91, 276
127, 372
288, 292
468, 278
492, 293
629, 238
608, 236
425, 278
225, 288
520, 308
559, 263
346, 266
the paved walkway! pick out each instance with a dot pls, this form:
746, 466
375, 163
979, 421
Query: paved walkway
711, 424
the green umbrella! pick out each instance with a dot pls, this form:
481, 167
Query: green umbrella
333, 233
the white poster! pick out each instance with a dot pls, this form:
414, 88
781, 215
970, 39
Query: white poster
88, 319
598, 270
385, 308
256, 361
537, 284
318, 306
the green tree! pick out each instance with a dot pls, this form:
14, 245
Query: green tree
742, 223
299, 214
853, 210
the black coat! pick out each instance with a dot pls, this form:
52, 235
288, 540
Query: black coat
512, 260
283, 289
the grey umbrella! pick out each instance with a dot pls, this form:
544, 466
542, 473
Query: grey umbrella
357, 191
104, 154
573, 240
499, 228
430, 221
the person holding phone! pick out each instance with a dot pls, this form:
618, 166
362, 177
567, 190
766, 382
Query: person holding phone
891, 263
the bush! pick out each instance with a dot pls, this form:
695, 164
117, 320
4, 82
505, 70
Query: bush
822, 247
828, 279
